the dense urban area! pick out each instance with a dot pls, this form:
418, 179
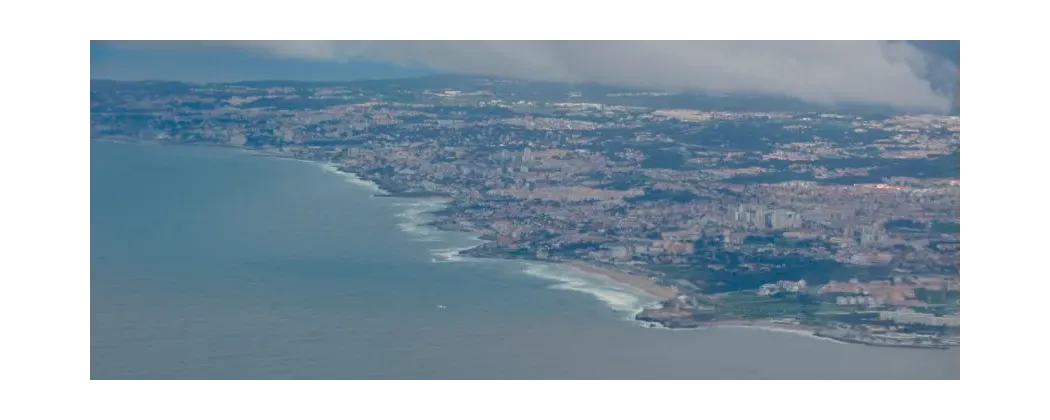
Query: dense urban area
730, 209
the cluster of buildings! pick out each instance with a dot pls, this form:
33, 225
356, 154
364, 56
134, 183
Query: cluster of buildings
862, 300
782, 286
757, 217
552, 181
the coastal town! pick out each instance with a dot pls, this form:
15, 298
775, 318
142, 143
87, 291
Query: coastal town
729, 212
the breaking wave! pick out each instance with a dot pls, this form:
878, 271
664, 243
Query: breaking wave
619, 297
352, 178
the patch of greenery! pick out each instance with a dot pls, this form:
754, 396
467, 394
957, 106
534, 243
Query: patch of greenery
904, 225
935, 296
625, 181
753, 306
945, 227
733, 273
663, 159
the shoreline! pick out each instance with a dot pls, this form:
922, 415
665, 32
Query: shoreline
620, 275
645, 284
819, 333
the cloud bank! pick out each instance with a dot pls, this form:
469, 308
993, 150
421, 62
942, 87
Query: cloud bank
894, 74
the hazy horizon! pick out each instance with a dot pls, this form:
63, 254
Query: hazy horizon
904, 75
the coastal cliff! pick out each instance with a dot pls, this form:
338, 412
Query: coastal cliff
670, 317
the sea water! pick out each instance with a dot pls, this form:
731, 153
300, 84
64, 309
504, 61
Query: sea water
211, 263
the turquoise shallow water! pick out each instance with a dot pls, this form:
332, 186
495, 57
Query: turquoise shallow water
212, 263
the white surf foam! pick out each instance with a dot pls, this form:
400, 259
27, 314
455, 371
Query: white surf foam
447, 255
352, 178
415, 217
626, 299
423, 233
619, 297
451, 254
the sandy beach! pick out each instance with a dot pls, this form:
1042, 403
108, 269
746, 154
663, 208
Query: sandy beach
644, 283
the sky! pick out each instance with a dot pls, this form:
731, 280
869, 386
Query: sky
901, 74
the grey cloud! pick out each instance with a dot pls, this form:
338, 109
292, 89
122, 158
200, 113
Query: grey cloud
887, 73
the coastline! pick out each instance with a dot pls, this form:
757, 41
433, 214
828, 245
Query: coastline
643, 283
819, 333
620, 275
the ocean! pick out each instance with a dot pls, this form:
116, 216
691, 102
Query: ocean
214, 263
